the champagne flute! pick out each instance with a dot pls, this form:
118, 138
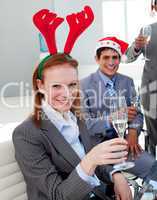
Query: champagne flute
119, 118
135, 100
146, 32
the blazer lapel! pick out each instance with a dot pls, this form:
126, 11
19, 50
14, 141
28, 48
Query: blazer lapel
62, 146
117, 83
84, 136
98, 82
99, 88
120, 85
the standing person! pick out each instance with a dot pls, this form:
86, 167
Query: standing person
52, 146
98, 87
149, 79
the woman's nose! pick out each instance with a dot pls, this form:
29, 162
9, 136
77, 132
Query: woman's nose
65, 91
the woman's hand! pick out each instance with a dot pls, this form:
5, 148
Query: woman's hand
121, 187
108, 152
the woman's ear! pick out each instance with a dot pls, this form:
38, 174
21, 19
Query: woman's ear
40, 86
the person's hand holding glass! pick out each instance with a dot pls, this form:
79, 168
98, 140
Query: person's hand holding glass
132, 137
146, 32
119, 117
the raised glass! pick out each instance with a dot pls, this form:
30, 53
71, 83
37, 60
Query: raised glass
119, 117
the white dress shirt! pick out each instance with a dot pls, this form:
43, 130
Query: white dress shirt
68, 127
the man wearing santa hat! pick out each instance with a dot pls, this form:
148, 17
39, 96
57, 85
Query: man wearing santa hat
102, 85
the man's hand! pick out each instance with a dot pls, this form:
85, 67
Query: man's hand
133, 147
140, 42
121, 188
132, 113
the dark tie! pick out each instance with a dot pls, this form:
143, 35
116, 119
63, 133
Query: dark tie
110, 89
110, 93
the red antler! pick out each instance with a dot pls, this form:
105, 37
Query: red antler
77, 24
47, 23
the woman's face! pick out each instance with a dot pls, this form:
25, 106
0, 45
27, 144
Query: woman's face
60, 86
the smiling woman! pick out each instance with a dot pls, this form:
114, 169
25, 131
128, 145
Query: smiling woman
60, 91
53, 147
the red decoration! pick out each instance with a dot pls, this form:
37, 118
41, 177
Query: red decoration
47, 22
77, 24
123, 45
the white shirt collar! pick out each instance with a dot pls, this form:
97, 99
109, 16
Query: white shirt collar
56, 117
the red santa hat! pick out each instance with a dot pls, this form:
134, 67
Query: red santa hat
113, 43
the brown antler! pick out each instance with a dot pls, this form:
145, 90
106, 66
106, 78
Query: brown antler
47, 23
77, 24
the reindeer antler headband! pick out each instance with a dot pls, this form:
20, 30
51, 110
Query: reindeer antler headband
47, 22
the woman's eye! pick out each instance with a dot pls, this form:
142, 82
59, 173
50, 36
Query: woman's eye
56, 86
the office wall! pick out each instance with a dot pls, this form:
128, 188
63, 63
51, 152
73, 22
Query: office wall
18, 43
85, 46
19, 49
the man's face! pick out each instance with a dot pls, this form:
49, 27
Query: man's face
108, 62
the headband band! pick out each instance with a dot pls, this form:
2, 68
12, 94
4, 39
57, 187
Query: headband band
41, 64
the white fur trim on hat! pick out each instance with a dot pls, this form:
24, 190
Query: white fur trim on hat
110, 44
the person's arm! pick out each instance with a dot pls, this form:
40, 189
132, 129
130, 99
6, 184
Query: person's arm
38, 168
133, 147
136, 48
92, 180
109, 152
135, 125
121, 187
102, 154
132, 53
137, 120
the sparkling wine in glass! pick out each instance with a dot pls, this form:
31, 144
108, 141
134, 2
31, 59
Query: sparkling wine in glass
119, 120
146, 32
135, 100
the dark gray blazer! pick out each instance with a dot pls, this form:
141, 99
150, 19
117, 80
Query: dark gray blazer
149, 82
48, 163
149, 71
93, 107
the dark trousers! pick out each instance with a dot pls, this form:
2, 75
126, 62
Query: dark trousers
152, 134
